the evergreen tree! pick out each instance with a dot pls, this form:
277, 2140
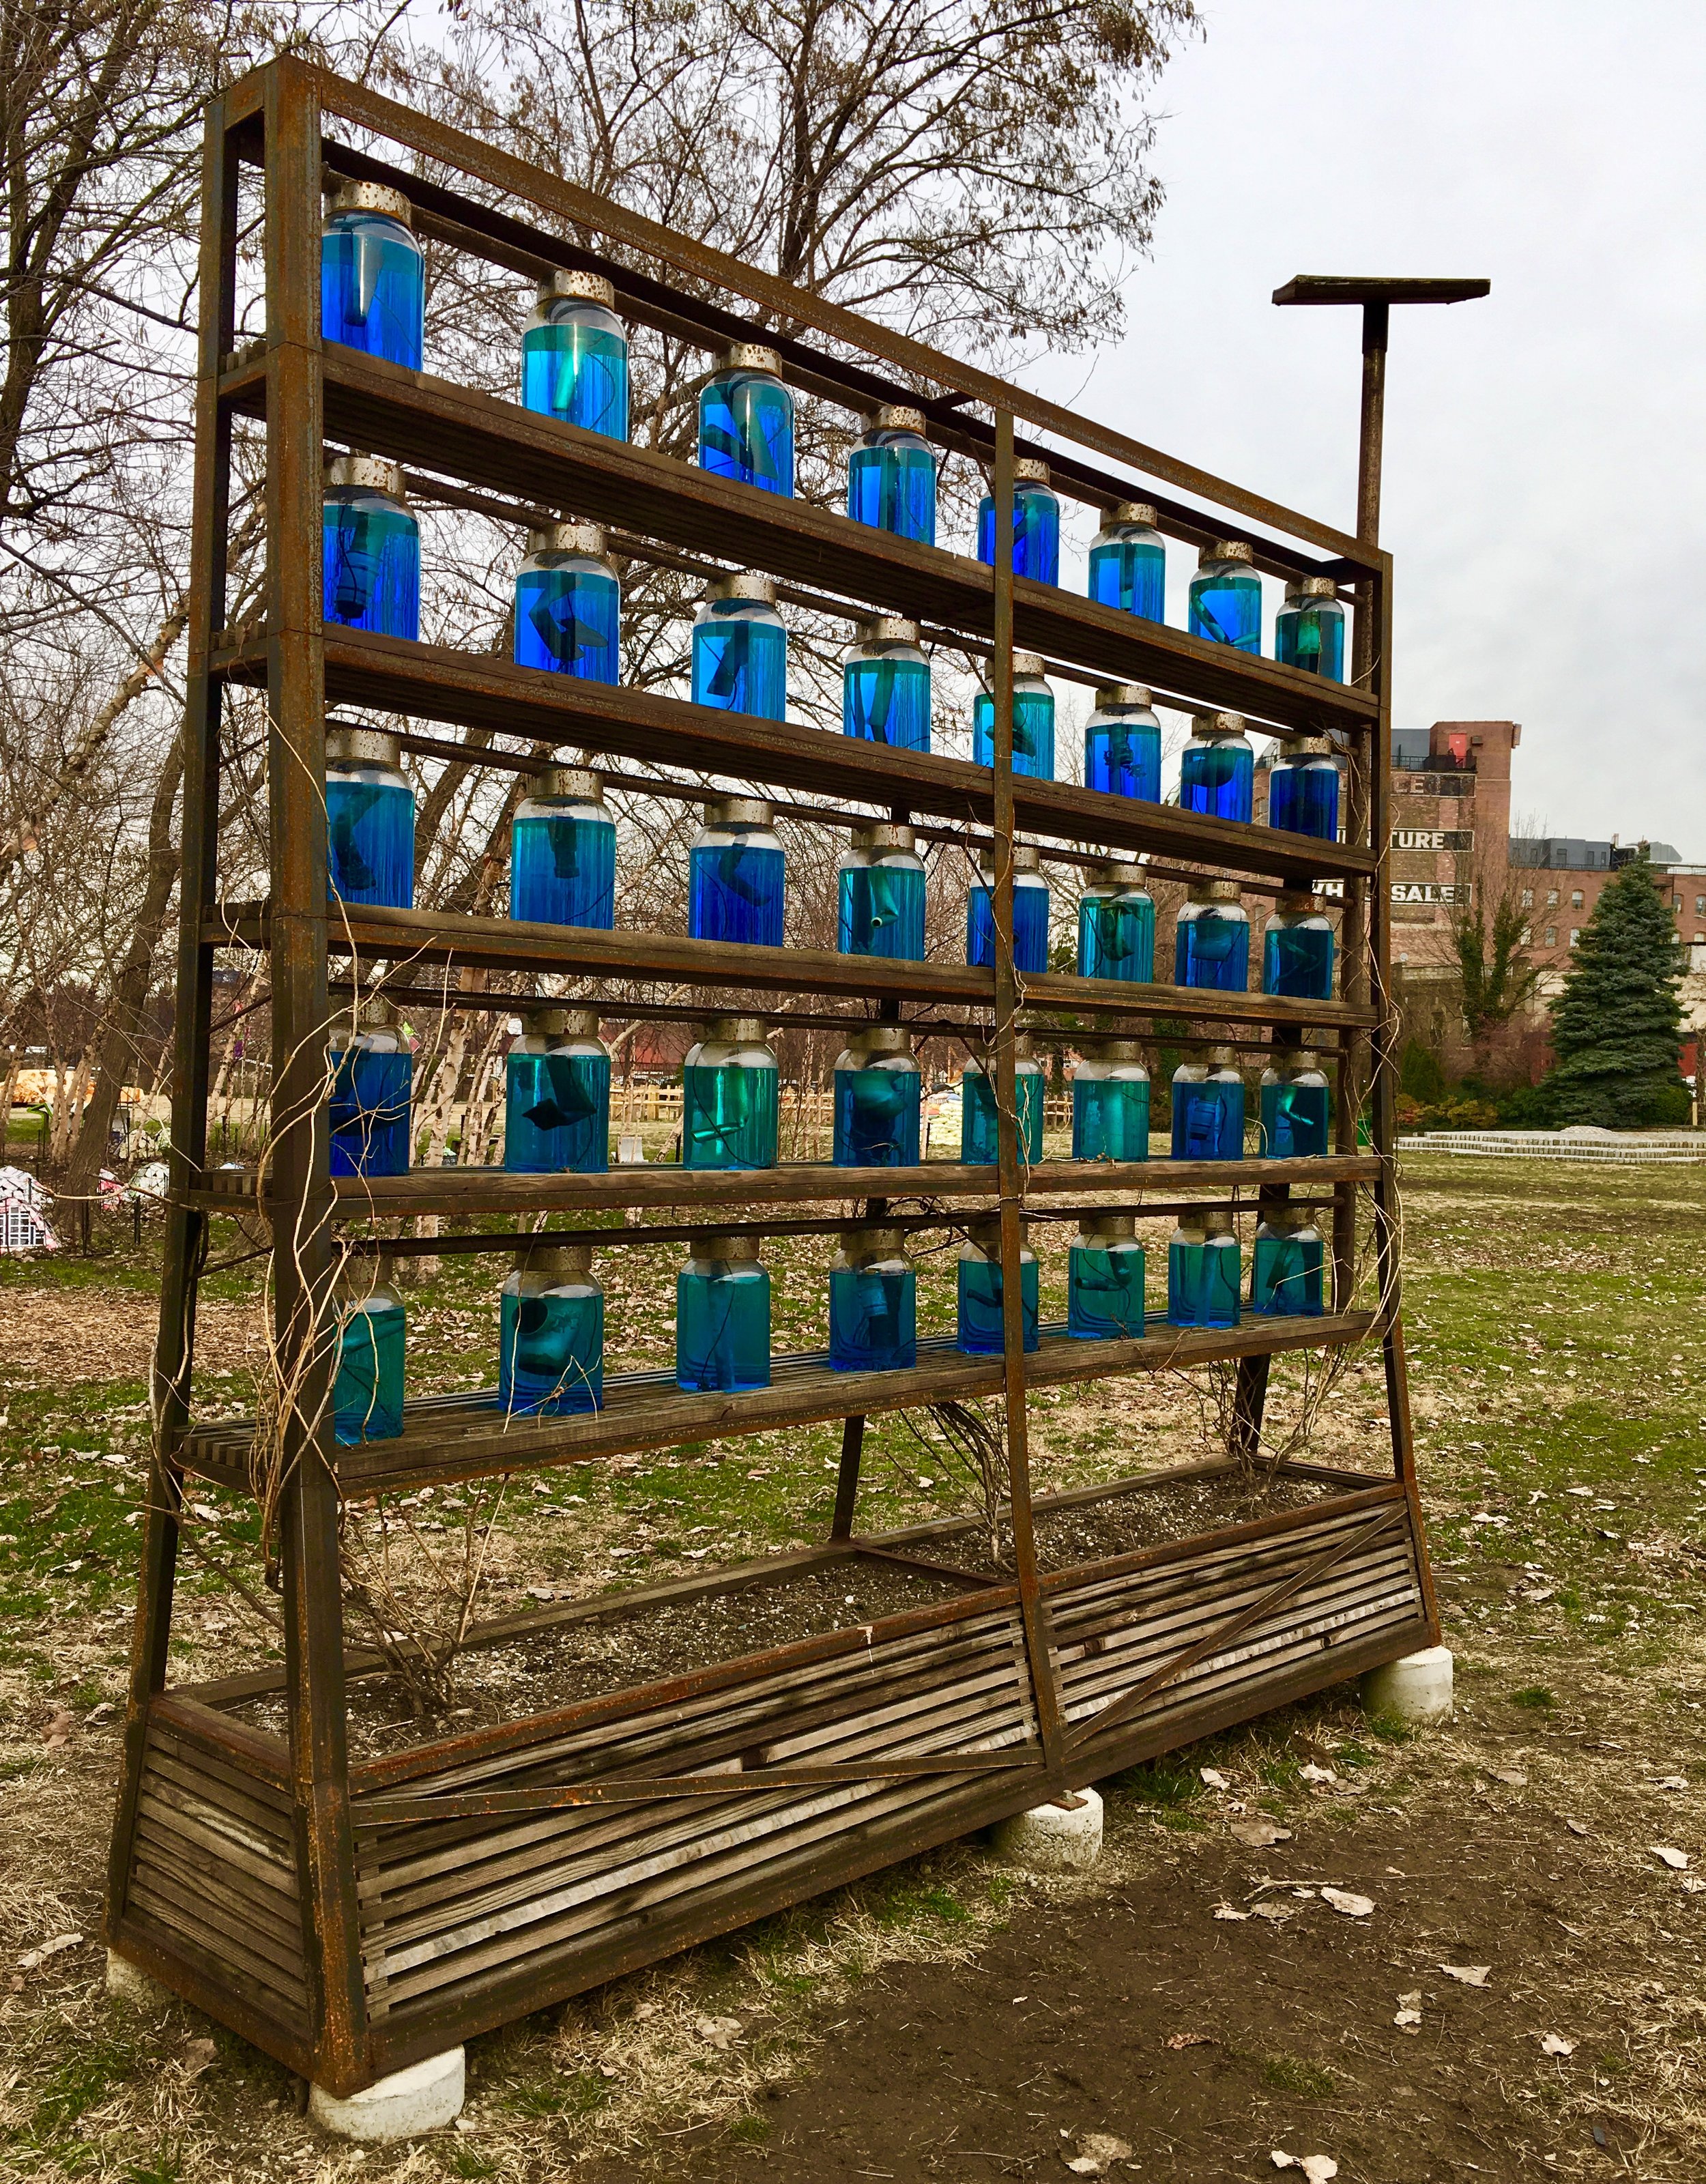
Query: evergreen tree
1615, 1027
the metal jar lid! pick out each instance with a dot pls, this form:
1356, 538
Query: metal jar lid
737, 811
1121, 872
1099, 1227
373, 197
576, 785
1297, 1058
358, 745
897, 417
546, 1257
571, 538
744, 584
1121, 693
568, 284
1219, 724
751, 356
372, 473
1217, 1224
1132, 511
985, 1231
885, 837
1026, 857
888, 629
1227, 549
732, 1250
544, 1023
1316, 587
1285, 1219
1216, 891
737, 1031
1028, 470
1299, 898
1223, 1057
884, 1038
1122, 1050
876, 1242
1297, 747
1027, 663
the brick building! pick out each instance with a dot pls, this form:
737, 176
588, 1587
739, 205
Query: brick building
1562, 878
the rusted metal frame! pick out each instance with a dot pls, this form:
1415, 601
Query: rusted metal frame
208, 1984
950, 1572
1250, 1392
847, 1476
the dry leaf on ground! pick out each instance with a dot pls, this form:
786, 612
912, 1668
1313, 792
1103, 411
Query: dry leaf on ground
1260, 1834
1271, 1907
1311, 1773
718, 2031
1191, 2040
1228, 1911
1317, 2167
1354, 1906
1467, 1975
1097, 2152
1551, 2044
1214, 1778
61, 1722
43, 1950
1668, 1854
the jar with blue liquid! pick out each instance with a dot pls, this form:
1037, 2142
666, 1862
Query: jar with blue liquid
1116, 925
574, 355
1290, 1256
370, 818
1110, 1104
722, 1317
1105, 1281
563, 852
557, 1096
370, 548
1226, 596
373, 275
880, 895
551, 1333
1208, 1108
979, 1131
1203, 1271
873, 1304
1035, 524
372, 1083
980, 1332
746, 421
367, 1389
736, 875
1128, 562
1122, 743
1298, 949
741, 648
885, 686
892, 476
1033, 721
1297, 1107
1217, 769
1211, 941
568, 604
1303, 789
1310, 630
878, 1093
728, 1097
1030, 914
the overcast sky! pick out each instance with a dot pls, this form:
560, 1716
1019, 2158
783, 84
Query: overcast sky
1545, 474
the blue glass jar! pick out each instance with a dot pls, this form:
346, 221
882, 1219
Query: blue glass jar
885, 686
551, 1333
1303, 789
1226, 596
1033, 721
1110, 1104
370, 818
741, 648
1297, 1107
1208, 1108
1310, 630
873, 1304
568, 605
892, 476
1030, 915
978, 1128
722, 1317
373, 275
1211, 941
1203, 1271
1217, 769
736, 876
1105, 1281
370, 549
880, 895
1122, 743
1298, 949
1289, 1257
1036, 524
574, 355
746, 421
367, 1389
1128, 562
980, 1332
1116, 925
557, 1096
878, 1094
562, 853
372, 1082
728, 1097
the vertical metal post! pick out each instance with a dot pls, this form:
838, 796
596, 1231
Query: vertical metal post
847, 1479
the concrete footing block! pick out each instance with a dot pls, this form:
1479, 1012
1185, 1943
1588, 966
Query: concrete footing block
1416, 1685
128, 1983
1052, 1838
425, 2096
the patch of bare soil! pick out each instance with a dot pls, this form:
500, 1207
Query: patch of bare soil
52, 1336
1150, 1517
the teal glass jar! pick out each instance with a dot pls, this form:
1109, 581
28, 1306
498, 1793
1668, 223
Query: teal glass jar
1203, 1271
728, 1097
880, 895
568, 605
1035, 547
1110, 1104
563, 852
980, 1330
885, 685
1286, 1278
878, 1097
370, 818
1298, 949
722, 1317
370, 548
873, 1304
557, 1096
367, 1391
892, 476
1033, 720
1226, 596
1211, 938
740, 652
1208, 1108
978, 1126
1122, 743
1297, 1107
574, 355
1128, 562
373, 275
551, 1333
1105, 1281
746, 421
1310, 631
1116, 925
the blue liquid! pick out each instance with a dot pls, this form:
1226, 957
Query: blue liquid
723, 1327
735, 892
1287, 1276
550, 1353
563, 872
369, 842
1111, 1118
368, 1111
1214, 952
1296, 1121
873, 1320
1304, 800
1030, 929
556, 1114
1033, 732
367, 1394
1122, 757
567, 620
877, 1117
728, 1117
1035, 534
977, 1123
1208, 1121
746, 431
577, 372
893, 489
1131, 573
1304, 636
1298, 960
1104, 1294
881, 912
1203, 1284
887, 701
980, 1330
740, 666
1228, 609
1218, 779
1116, 937
373, 288
370, 562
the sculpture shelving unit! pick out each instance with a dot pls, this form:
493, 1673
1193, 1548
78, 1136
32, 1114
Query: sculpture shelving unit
354, 1916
